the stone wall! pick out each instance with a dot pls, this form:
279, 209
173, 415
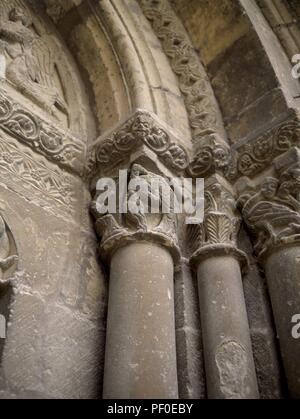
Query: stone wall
162, 88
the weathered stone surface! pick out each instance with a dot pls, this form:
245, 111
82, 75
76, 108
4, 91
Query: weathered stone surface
282, 270
140, 360
269, 372
162, 88
188, 336
230, 370
53, 303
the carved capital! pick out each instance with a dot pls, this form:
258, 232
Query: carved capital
258, 154
272, 208
117, 230
217, 235
141, 130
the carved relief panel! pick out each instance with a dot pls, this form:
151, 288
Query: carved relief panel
43, 103
31, 65
8, 255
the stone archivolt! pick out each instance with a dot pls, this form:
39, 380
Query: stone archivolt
204, 115
211, 151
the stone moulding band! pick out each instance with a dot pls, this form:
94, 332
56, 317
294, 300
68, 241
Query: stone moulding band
213, 156
285, 243
43, 137
258, 154
142, 129
221, 249
124, 238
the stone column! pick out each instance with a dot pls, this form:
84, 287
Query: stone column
229, 364
140, 346
282, 268
140, 361
272, 212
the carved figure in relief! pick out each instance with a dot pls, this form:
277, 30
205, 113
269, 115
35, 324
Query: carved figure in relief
273, 212
141, 127
31, 66
144, 188
164, 222
7, 260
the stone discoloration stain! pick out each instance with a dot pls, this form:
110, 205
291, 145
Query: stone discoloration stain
232, 363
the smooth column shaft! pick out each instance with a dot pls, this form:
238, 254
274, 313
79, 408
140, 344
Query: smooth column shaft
229, 363
283, 275
140, 360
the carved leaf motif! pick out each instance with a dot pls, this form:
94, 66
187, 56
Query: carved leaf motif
107, 227
124, 142
36, 175
23, 125
195, 237
42, 137
5, 108
50, 142
218, 228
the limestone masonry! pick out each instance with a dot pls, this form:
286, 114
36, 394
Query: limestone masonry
145, 306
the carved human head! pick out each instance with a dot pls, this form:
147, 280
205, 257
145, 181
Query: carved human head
269, 187
290, 180
141, 125
19, 15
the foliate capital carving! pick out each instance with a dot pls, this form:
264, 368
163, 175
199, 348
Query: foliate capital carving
142, 129
218, 233
119, 229
272, 209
